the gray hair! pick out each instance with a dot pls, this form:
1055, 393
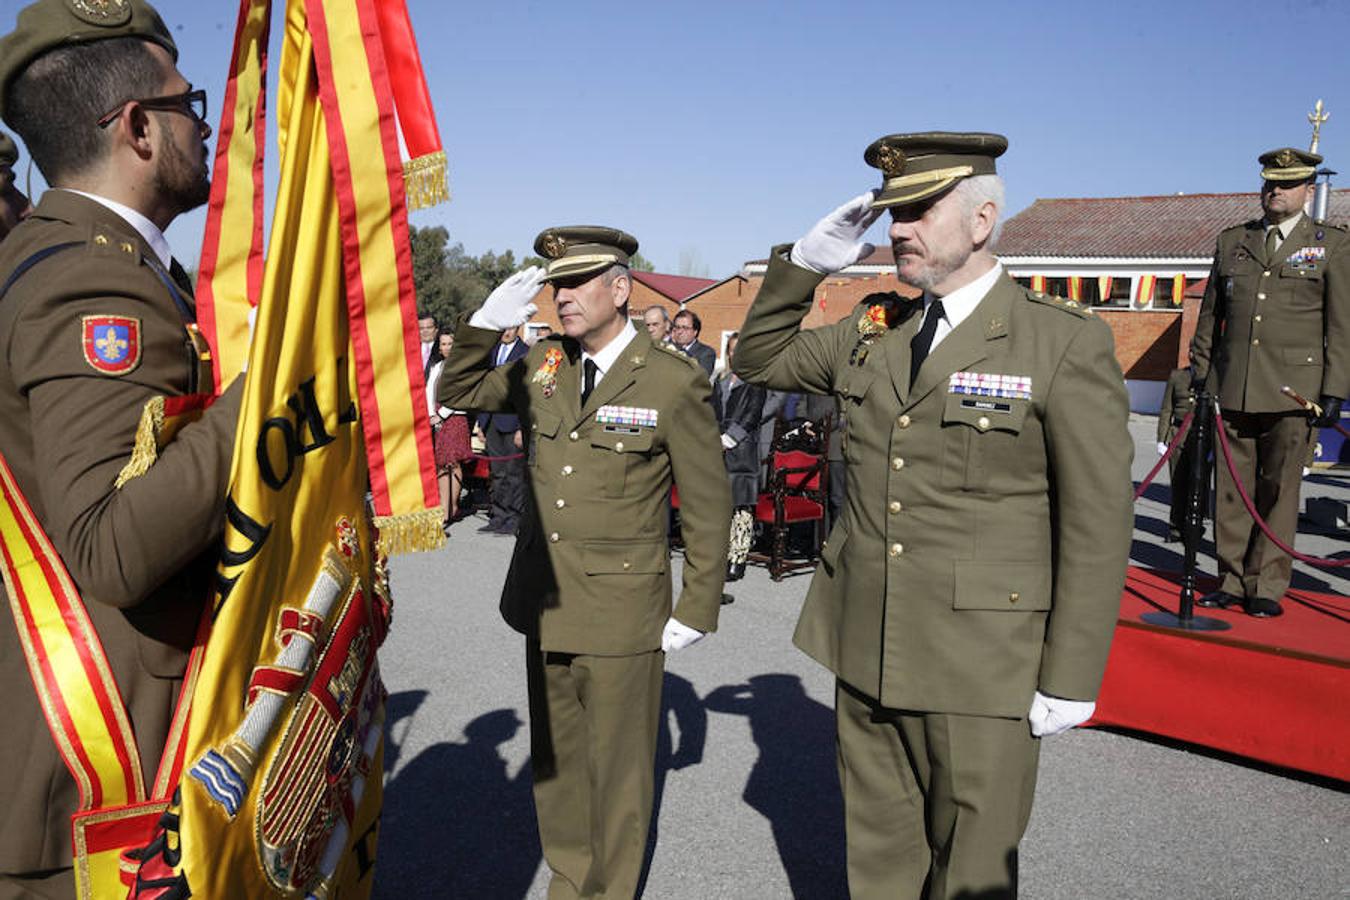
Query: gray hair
615, 271
978, 190
665, 316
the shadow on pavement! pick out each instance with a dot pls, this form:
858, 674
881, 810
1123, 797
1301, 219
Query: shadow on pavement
456, 823
795, 782
680, 703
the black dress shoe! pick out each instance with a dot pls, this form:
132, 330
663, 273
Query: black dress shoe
735, 571
490, 528
1219, 600
1262, 608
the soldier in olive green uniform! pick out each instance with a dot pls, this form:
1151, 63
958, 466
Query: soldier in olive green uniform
612, 420
14, 206
1276, 312
93, 325
967, 596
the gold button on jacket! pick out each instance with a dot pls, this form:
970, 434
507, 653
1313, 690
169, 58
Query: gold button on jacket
1001, 496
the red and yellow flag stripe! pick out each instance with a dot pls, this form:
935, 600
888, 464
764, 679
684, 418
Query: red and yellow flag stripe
70, 671
1178, 289
1143, 292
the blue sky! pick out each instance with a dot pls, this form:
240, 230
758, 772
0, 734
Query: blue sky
714, 130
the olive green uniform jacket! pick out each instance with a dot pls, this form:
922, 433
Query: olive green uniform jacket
982, 548
591, 569
142, 556
1281, 321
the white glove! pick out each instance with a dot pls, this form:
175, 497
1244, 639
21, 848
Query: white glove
509, 305
1054, 715
1162, 448
676, 635
835, 242
728, 442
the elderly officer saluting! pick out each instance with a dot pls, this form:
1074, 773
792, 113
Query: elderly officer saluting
967, 594
96, 322
1276, 312
612, 419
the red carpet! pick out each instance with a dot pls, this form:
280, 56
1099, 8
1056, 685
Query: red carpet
1274, 690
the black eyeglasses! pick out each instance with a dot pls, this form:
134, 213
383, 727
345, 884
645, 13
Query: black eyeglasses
189, 103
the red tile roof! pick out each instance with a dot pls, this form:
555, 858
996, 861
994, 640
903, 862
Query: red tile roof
1173, 226
676, 287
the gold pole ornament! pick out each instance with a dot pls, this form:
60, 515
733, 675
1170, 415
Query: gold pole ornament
1316, 118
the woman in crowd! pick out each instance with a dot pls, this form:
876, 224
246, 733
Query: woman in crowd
450, 438
739, 407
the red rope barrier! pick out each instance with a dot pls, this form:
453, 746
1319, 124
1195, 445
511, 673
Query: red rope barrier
1184, 427
1251, 507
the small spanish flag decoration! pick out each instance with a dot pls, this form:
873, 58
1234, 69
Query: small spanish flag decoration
1075, 287
1143, 292
1038, 283
1178, 289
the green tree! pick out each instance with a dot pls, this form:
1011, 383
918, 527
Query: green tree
641, 263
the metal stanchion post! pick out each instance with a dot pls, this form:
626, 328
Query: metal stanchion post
1198, 444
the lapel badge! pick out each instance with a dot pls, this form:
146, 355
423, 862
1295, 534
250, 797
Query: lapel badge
112, 344
547, 373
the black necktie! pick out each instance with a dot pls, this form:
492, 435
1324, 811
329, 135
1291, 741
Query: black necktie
588, 368
923, 341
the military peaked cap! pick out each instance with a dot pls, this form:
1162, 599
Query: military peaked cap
924, 164
1288, 164
49, 24
583, 249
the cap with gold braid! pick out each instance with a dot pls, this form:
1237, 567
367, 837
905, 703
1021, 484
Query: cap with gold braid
49, 24
1288, 164
924, 164
573, 250
9, 154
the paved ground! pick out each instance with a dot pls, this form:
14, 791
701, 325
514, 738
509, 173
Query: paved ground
749, 804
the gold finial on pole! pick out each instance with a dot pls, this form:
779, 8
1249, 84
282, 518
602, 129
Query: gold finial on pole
1316, 118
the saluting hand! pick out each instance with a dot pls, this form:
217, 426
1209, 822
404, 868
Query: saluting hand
835, 242
511, 303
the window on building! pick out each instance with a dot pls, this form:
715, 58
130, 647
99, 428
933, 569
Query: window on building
1118, 292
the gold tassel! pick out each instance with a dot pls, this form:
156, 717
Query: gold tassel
410, 532
146, 451
426, 180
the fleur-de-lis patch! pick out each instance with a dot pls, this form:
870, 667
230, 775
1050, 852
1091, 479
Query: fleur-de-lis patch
112, 344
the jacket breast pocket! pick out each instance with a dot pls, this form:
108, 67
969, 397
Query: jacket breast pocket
617, 451
850, 387
544, 427
1311, 272
979, 433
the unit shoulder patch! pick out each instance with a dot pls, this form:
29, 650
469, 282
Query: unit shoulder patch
111, 344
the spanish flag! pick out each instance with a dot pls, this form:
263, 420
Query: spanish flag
281, 769
1075, 283
1143, 292
1178, 289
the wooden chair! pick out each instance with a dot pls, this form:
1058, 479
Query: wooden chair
798, 490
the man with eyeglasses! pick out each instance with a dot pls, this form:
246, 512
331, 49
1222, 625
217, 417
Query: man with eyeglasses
98, 321
685, 337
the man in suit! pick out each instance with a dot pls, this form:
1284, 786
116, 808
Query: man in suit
426, 334
657, 322
967, 595
1276, 312
14, 206
1178, 401
612, 418
96, 327
688, 326
501, 433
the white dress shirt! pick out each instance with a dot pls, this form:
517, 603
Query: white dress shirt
960, 303
605, 358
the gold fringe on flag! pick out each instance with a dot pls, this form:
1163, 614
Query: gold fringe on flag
146, 451
410, 532
426, 180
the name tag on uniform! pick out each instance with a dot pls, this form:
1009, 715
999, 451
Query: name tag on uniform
986, 405
985, 384
635, 416
622, 429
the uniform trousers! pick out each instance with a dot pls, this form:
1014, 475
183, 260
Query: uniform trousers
1269, 451
935, 804
593, 728
507, 481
